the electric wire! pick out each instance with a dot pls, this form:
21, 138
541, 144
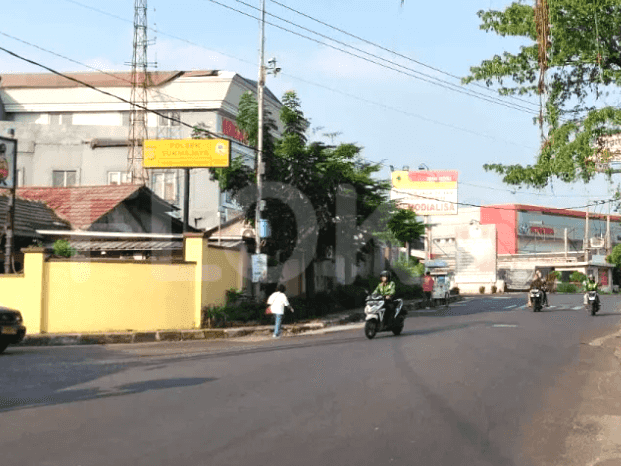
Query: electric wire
455, 86
306, 81
165, 116
607, 201
433, 81
379, 46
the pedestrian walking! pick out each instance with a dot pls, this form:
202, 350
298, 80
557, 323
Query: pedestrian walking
277, 303
428, 284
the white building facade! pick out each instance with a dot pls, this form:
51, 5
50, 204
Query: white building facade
72, 135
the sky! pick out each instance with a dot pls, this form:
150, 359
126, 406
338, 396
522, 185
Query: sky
398, 120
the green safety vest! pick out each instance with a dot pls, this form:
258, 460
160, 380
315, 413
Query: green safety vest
387, 289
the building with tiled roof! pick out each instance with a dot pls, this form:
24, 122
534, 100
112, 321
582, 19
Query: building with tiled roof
72, 135
108, 208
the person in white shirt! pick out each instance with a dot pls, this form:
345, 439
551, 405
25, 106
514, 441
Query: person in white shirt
277, 302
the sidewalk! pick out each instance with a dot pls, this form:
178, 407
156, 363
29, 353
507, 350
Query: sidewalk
343, 320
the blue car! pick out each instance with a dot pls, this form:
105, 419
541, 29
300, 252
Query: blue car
12, 329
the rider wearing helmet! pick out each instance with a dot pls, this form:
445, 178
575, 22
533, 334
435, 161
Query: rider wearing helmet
386, 288
590, 285
539, 284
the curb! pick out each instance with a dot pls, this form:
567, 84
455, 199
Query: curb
83, 339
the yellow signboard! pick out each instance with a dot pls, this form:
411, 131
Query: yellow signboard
186, 153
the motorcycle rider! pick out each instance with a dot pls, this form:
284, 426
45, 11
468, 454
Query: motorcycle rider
590, 285
539, 284
386, 288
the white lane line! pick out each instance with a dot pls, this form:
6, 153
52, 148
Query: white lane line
577, 307
504, 325
552, 307
512, 306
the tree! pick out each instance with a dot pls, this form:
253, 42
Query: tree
405, 227
313, 169
615, 256
577, 45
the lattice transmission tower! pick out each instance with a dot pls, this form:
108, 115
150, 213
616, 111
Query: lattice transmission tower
138, 129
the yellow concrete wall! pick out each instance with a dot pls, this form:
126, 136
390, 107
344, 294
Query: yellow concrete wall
23, 292
221, 272
108, 296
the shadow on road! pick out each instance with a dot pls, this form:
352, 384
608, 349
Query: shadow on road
70, 396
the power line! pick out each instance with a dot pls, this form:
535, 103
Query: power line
85, 84
312, 83
607, 201
515, 191
473, 93
374, 44
434, 81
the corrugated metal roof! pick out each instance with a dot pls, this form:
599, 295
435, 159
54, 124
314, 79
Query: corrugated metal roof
127, 245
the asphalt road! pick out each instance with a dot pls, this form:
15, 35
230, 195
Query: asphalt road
461, 386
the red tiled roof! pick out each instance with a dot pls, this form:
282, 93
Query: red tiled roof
113, 79
81, 206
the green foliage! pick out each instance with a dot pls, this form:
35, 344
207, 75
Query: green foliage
566, 288
314, 169
577, 277
412, 267
494, 289
63, 248
554, 275
584, 66
615, 256
482, 289
404, 226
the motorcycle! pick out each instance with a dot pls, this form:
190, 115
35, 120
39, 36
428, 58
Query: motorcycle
536, 299
593, 302
375, 309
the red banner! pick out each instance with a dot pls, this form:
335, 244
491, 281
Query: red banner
230, 129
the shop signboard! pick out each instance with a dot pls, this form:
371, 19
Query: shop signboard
426, 192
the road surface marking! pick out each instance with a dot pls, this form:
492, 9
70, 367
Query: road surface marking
512, 306
504, 325
577, 307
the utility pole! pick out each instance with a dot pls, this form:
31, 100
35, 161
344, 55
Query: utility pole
586, 237
10, 217
260, 98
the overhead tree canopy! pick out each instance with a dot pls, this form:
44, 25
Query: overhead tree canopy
579, 47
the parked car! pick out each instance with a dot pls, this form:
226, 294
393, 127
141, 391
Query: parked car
12, 329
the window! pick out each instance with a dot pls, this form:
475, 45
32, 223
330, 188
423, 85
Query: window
64, 178
61, 118
119, 178
168, 118
20, 177
165, 186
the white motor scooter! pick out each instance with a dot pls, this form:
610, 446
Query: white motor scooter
374, 311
